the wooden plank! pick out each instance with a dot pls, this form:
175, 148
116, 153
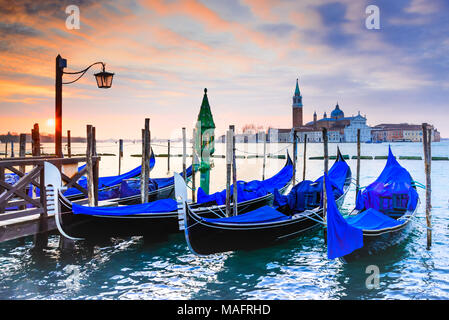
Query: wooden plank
36, 161
14, 189
9, 217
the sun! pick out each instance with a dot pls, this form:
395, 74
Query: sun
50, 122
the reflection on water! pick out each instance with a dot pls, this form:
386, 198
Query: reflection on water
139, 268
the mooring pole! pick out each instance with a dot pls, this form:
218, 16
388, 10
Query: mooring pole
22, 147
120, 155
89, 166
12, 149
184, 153
36, 141
325, 195
69, 144
145, 176
357, 184
96, 164
228, 171
264, 155
304, 160
22, 154
234, 172
427, 141
194, 163
168, 155
295, 151
6, 149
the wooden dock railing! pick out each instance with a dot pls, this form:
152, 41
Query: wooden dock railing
17, 195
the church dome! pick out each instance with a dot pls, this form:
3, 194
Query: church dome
337, 113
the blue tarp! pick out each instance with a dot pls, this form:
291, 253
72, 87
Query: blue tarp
132, 187
263, 214
250, 190
297, 197
342, 238
345, 236
385, 193
164, 205
111, 180
372, 219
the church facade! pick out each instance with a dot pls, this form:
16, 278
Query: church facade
339, 127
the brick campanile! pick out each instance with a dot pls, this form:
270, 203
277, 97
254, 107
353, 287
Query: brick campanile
297, 107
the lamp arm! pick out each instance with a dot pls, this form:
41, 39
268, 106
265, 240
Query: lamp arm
82, 72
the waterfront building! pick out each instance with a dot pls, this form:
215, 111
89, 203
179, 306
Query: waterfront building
400, 132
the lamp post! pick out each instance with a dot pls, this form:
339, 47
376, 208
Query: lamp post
104, 81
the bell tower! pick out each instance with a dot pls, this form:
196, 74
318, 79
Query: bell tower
297, 107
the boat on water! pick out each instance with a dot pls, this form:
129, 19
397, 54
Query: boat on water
108, 187
288, 217
381, 218
161, 216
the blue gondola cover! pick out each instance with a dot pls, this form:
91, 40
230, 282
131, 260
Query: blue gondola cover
391, 191
164, 205
342, 238
260, 215
250, 190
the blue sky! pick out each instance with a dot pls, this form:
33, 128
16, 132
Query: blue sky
248, 53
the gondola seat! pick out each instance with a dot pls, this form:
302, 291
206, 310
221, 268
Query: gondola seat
261, 215
371, 219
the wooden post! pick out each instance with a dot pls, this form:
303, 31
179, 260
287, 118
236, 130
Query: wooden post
304, 161
69, 144
264, 155
12, 149
295, 151
184, 153
357, 183
95, 164
6, 149
194, 163
120, 155
168, 155
145, 175
36, 141
22, 153
22, 146
234, 172
35, 145
228, 171
427, 141
90, 168
326, 160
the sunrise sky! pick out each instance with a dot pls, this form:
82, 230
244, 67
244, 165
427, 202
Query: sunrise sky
248, 53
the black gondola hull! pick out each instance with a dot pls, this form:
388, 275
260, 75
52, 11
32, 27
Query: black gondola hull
376, 242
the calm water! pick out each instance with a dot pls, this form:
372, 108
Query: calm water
134, 269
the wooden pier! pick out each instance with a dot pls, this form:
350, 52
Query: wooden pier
23, 210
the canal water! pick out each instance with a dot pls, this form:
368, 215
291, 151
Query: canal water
133, 268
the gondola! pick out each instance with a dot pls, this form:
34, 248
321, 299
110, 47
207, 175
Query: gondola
381, 218
157, 217
108, 187
288, 217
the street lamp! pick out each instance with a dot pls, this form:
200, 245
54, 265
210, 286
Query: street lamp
104, 81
